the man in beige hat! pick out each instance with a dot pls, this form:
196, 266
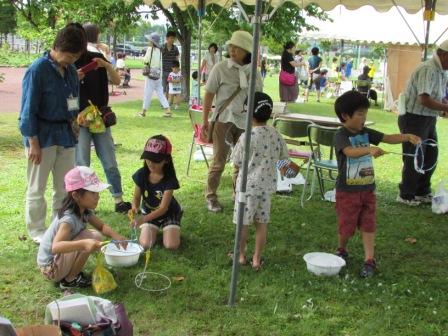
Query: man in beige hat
227, 85
422, 104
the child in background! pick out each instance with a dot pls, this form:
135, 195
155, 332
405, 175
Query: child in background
267, 147
67, 244
155, 183
123, 70
355, 196
194, 95
340, 76
175, 85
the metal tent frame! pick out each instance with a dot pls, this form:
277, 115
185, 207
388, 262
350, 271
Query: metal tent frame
410, 6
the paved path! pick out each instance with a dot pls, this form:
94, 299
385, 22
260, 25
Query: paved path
11, 90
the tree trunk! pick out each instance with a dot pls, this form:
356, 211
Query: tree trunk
186, 65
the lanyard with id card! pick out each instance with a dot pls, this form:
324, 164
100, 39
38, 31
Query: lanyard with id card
72, 103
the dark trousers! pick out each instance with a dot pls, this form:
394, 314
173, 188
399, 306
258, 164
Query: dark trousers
413, 183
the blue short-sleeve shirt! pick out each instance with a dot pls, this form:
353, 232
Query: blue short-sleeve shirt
44, 112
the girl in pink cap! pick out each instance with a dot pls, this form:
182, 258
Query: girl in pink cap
155, 183
67, 244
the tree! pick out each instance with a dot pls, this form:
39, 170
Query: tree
43, 18
8, 21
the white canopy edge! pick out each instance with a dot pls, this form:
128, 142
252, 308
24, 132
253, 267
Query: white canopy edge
410, 6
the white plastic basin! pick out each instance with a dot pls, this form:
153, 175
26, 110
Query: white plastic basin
117, 256
321, 263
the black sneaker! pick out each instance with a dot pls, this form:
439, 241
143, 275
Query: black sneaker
341, 252
81, 281
369, 269
123, 207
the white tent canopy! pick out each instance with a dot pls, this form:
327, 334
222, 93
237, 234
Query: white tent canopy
366, 24
411, 6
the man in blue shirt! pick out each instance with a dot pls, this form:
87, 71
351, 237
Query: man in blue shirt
50, 105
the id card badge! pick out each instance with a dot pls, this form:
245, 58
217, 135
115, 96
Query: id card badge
73, 104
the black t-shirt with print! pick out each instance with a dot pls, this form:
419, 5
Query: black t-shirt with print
355, 174
94, 86
152, 193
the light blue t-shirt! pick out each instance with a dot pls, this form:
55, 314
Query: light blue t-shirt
44, 255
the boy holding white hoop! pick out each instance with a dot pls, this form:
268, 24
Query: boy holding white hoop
355, 185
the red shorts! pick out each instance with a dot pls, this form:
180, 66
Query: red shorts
355, 210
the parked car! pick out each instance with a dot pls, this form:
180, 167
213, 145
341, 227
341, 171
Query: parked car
127, 49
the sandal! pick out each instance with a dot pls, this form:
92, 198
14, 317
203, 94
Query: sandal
141, 114
168, 115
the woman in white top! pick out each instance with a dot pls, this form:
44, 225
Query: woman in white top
209, 61
153, 82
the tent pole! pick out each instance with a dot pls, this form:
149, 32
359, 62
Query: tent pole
201, 12
256, 23
430, 5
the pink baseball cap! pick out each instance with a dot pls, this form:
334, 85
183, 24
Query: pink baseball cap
82, 177
157, 148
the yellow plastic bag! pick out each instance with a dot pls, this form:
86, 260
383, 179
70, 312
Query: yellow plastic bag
102, 280
92, 116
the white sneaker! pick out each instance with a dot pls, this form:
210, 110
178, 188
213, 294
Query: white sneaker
424, 199
412, 202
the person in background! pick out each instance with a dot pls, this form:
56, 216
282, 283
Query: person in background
364, 85
334, 67
362, 64
123, 71
264, 67
288, 93
67, 244
50, 105
321, 80
194, 95
349, 67
170, 53
153, 59
113, 60
314, 64
372, 70
227, 85
209, 61
301, 73
423, 101
175, 85
95, 88
340, 76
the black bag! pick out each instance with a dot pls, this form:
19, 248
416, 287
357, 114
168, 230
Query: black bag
108, 116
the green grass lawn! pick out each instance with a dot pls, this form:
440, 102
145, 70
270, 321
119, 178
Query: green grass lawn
407, 297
